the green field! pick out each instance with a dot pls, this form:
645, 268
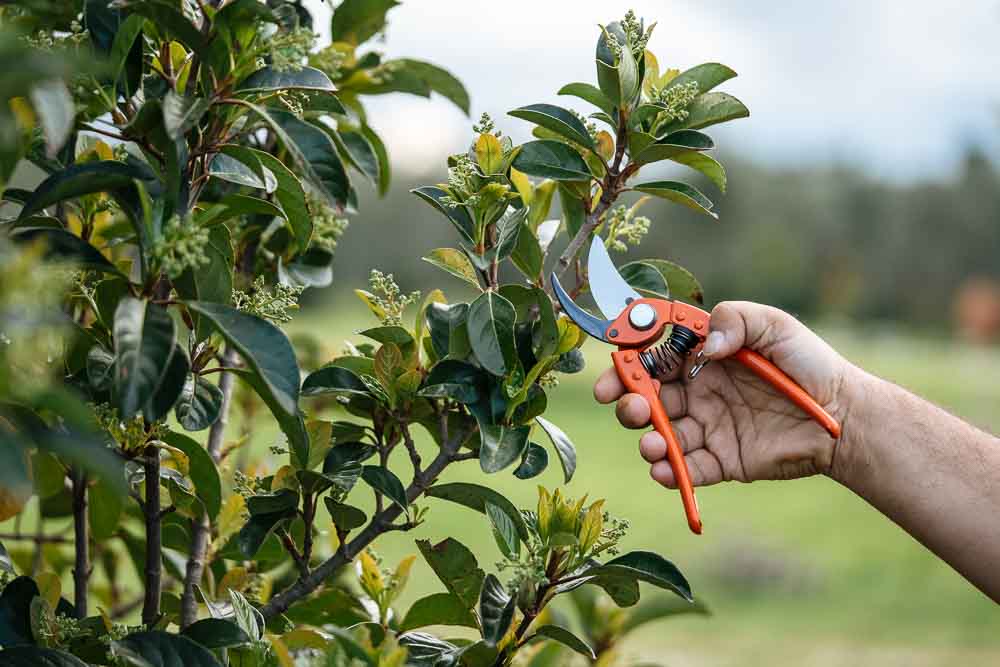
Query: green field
796, 573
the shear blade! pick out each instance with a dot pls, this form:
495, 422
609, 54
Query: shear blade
610, 291
594, 326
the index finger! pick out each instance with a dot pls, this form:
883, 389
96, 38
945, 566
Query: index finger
609, 387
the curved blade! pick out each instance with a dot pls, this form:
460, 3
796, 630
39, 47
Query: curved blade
592, 325
609, 289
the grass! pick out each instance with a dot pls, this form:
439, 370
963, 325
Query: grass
798, 572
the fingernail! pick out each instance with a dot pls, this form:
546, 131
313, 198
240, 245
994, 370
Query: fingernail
713, 344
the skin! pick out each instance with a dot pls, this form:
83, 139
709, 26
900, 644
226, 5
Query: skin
931, 473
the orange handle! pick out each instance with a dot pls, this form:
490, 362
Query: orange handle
777, 378
638, 381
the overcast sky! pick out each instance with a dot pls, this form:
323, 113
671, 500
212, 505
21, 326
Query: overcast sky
899, 85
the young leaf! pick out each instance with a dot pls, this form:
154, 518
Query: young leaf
564, 637
438, 609
679, 193
144, 344
551, 159
557, 119
475, 497
454, 262
456, 567
489, 154
501, 446
496, 610
504, 532
385, 482
563, 446
490, 325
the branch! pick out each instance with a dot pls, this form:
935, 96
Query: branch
202, 530
81, 542
154, 538
37, 539
289, 544
411, 448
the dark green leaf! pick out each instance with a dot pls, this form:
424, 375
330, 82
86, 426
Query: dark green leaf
564, 637
394, 335
292, 198
215, 633
607, 72
416, 77
333, 380
438, 609
170, 388
79, 180
272, 502
491, 332
648, 567
230, 169
456, 567
682, 284
199, 405
706, 75
589, 93
345, 517
705, 164
212, 281
623, 590
680, 193
475, 497
203, 472
385, 482
65, 245
457, 380
528, 255
557, 119
711, 109
314, 268
35, 656
645, 278
159, 648
501, 446
268, 79
15, 612
355, 147
458, 215
563, 445
496, 610
5, 563
504, 532
551, 159
251, 537
672, 145
181, 113
384, 167
534, 461
144, 344
347, 454
425, 650
357, 21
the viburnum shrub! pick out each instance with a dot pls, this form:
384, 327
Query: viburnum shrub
198, 159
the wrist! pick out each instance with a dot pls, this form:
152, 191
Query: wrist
861, 392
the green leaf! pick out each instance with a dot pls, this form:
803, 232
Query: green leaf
273, 502
679, 193
496, 610
711, 109
607, 72
563, 446
672, 145
228, 168
475, 497
705, 164
125, 34
180, 113
504, 532
104, 509
359, 152
144, 344
199, 405
170, 387
645, 278
628, 76
624, 591
35, 656
15, 611
489, 154
456, 380
159, 648
426, 650
491, 332
528, 255
454, 262
168, 18
458, 216
551, 159
212, 281
251, 537
65, 245
564, 637
384, 166
416, 77
385, 482
501, 446
394, 335
706, 75
438, 609
78, 180
292, 198
357, 21
263, 346
648, 567
345, 517
333, 380
589, 93
456, 568
534, 461
557, 119
203, 472
56, 113
213, 633
683, 285
268, 79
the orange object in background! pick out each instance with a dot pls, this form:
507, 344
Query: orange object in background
977, 310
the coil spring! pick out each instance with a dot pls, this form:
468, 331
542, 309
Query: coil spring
670, 354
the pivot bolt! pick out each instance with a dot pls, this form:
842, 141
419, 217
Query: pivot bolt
642, 316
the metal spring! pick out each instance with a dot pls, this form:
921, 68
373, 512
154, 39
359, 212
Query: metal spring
664, 358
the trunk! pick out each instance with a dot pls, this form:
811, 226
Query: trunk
154, 538
81, 540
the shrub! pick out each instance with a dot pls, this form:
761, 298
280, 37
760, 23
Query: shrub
198, 163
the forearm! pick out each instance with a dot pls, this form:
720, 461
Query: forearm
930, 472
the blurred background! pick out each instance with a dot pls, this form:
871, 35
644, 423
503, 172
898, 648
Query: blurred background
864, 197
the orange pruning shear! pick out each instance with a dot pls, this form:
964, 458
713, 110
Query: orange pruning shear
635, 324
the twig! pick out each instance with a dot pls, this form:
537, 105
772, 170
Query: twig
81, 542
411, 447
202, 529
154, 539
289, 544
37, 539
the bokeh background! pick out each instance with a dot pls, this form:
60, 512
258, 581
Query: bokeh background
864, 197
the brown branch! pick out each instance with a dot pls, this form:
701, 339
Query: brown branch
411, 447
202, 530
81, 542
154, 538
293, 551
37, 539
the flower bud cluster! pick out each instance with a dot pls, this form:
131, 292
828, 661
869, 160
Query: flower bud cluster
273, 305
388, 297
181, 247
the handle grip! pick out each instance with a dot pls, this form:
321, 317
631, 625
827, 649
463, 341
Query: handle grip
777, 378
638, 381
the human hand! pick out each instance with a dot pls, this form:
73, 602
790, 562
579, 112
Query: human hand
731, 424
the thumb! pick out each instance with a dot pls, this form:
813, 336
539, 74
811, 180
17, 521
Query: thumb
737, 324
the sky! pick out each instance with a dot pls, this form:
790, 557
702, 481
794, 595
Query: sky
901, 87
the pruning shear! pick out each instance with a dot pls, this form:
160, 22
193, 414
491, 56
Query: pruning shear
635, 324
